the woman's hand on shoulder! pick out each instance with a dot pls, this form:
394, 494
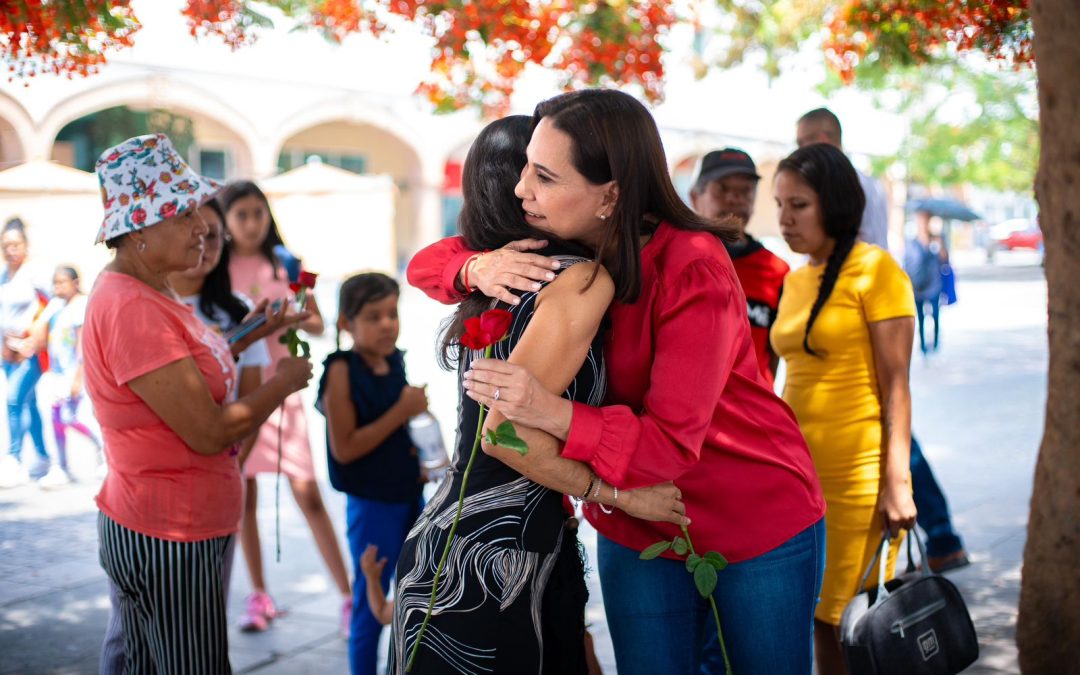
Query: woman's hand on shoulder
497, 273
660, 503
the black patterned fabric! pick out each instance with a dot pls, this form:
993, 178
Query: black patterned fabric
489, 609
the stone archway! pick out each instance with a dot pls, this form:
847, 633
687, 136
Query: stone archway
16, 132
368, 148
218, 127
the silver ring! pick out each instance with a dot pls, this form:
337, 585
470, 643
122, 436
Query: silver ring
496, 396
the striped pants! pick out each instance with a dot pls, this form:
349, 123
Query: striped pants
172, 600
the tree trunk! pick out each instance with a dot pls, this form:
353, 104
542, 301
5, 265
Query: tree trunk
1048, 632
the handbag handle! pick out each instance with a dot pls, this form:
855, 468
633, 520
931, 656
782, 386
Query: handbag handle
913, 533
882, 558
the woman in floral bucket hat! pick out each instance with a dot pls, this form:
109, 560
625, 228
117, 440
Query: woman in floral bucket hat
160, 380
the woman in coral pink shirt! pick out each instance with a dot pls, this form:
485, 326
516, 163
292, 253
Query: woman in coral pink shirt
159, 380
686, 401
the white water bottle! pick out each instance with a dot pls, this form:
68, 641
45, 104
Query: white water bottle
427, 437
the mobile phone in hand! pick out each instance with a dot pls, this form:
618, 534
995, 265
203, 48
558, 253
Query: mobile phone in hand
237, 332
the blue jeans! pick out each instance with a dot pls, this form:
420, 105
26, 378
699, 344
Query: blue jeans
921, 305
934, 518
23, 415
659, 623
384, 524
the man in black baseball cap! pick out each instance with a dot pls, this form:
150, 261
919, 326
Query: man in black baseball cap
725, 187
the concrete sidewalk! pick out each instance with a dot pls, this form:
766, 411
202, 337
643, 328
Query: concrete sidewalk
979, 406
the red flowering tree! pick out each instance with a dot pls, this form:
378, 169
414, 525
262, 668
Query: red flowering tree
481, 46
896, 33
63, 37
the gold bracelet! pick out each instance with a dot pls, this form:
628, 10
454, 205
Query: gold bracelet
588, 488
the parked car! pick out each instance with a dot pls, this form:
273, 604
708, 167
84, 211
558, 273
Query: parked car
1017, 233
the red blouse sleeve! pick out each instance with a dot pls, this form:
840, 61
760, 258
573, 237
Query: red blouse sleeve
434, 269
694, 327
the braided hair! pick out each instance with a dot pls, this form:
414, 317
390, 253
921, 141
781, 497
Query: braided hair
829, 173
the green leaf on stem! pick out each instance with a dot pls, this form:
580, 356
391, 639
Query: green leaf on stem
490, 437
716, 560
506, 436
680, 546
297, 347
655, 550
693, 561
705, 579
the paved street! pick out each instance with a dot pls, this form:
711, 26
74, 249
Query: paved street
979, 406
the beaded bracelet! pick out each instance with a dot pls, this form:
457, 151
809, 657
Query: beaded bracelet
615, 500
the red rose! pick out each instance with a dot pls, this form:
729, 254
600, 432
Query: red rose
138, 216
307, 279
487, 329
295, 287
167, 210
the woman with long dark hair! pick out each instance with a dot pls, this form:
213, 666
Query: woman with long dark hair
207, 289
512, 596
685, 402
844, 328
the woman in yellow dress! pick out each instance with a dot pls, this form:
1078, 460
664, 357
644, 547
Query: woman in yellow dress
845, 327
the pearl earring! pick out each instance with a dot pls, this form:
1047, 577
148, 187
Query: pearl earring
142, 246
603, 216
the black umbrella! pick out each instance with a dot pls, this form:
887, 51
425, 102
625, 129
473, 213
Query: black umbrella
948, 209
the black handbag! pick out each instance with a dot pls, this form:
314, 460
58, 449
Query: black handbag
915, 624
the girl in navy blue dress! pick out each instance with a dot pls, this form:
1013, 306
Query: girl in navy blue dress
368, 402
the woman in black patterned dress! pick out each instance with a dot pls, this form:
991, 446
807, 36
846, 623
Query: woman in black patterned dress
512, 595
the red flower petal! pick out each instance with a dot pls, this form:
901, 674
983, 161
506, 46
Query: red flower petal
495, 322
307, 279
295, 287
487, 329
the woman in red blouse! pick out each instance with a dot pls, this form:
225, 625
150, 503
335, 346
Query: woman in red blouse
685, 402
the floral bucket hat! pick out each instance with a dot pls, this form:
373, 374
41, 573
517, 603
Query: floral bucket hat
144, 181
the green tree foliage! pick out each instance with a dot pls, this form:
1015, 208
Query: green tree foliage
992, 143
771, 30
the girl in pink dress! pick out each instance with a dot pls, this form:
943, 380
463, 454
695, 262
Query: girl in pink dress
252, 235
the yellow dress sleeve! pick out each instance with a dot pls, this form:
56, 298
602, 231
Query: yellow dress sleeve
889, 295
